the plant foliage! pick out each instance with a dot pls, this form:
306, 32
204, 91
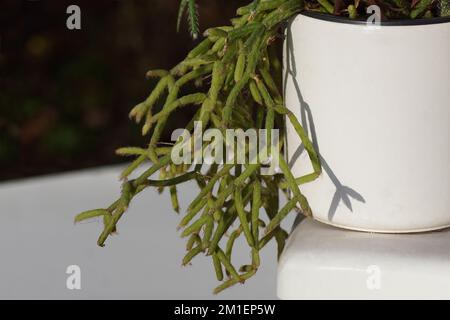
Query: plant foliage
237, 75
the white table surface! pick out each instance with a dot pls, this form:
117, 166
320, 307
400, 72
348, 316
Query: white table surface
323, 262
38, 241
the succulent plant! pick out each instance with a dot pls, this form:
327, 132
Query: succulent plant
237, 76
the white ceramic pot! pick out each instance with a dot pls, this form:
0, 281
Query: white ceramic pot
376, 102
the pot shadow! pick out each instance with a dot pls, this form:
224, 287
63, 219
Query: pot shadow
343, 193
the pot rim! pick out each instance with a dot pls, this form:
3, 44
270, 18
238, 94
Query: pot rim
397, 22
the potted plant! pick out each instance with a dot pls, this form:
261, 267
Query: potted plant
376, 101
234, 78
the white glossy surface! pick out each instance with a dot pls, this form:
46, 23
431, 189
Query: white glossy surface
324, 262
377, 104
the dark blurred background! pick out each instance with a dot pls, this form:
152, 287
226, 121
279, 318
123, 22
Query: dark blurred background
65, 94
